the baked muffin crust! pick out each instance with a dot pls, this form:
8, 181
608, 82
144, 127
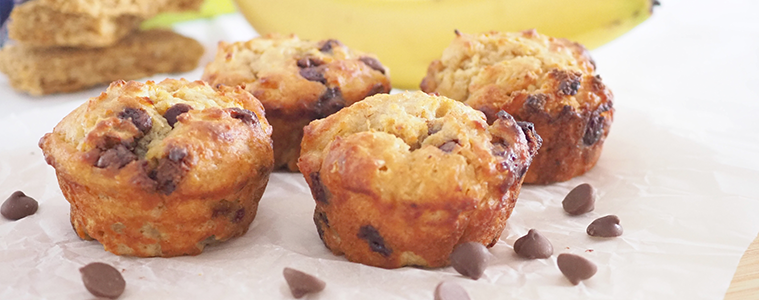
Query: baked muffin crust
144, 187
297, 81
401, 179
550, 82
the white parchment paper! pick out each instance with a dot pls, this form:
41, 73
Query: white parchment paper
679, 169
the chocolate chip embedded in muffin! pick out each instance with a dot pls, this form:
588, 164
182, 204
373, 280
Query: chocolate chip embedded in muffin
142, 187
401, 180
550, 82
173, 112
297, 81
139, 118
374, 239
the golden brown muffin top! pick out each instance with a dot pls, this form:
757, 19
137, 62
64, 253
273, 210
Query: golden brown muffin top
135, 131
295, 77
521, 62
413, 145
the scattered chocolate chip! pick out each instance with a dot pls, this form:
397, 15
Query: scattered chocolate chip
448, 146
330, 102
139, 118
594, 130
173, 112
470, 259
308, 62
103, 280
580, 200
375, 240
533, 245
301, 283
576, 268
373, 63
246, 116
18, 206
117, 157
313, 74
328, 45
318, 190
448, 290
607, 226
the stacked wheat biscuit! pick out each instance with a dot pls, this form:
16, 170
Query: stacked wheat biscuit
70, 45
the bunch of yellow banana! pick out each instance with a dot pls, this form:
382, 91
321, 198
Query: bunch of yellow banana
408, 34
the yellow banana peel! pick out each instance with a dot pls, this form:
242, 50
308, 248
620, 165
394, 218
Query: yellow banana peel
407, 35
210, 8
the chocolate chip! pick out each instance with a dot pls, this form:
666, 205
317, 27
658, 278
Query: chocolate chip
470, 259
309, 62
535, 102
607, 226
167, 175
533, 245
531, 135
321, 221
594, 130
177, 154
576, 268
116, 157
139, 118
375, 240
246, 116
448, 290
313, 74
329, 44
373, 63
569, 82
18, 206
301, 283
330, 102
239, 215
448, 146
103, 280
580, 200
318, 190
173, 112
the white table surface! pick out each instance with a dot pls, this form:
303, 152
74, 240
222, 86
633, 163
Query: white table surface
680, 168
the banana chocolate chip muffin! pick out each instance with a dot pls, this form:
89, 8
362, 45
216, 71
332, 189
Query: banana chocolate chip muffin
550, 82
400, 180
297, 81
162, 169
